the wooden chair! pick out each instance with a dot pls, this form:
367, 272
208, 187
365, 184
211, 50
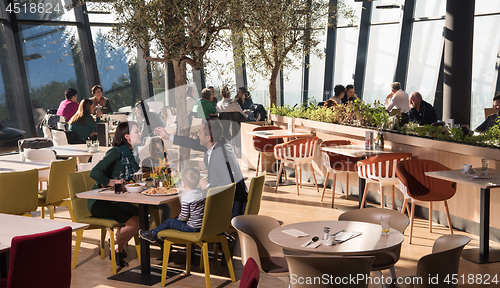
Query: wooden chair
216, 219
489, 111
297, 152
381, 169
263, 145
415, 185
19, 192
335, 163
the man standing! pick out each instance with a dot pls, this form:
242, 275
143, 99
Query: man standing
492, 119
398, 99
99, 100
69, 106
339, 91
217, 153
421, 112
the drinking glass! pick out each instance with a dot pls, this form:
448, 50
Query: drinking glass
484, 164
89, 144
118, 186
385, 222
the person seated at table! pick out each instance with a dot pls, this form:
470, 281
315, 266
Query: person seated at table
398, 99
156, 148
82, 123
226, 105
204, 106
421, 112
192, 208
119, 162
153, 117
244, 99
492, 119
339, 92
349, 96
98, 99
217, 153
329, 103
69, 106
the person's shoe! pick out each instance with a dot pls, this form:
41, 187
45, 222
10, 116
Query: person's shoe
147, 235
124, 253
119, 260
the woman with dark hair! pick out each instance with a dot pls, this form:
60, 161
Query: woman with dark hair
245, 100
119, 162
82, 123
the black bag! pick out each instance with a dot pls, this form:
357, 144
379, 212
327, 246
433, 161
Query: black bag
34, 143
260, 113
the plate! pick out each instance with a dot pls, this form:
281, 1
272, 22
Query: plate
161, 193
263, 133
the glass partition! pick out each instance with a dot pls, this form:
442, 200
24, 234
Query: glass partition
8, 105
430, 8
345, 55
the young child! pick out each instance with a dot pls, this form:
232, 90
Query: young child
192, 208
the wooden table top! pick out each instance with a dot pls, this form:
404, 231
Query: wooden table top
75, 150
273, 134
128, 197
491, 181
14, 225
355, 150
13, 163
371, 240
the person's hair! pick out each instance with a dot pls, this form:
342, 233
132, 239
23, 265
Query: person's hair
329, 103
211, 87
350, 86
138, 105
244, 90
206, 93
338, 89
94, 89
80, 116
69, 93
122, 130
466, 130
497, 97
224, 91
417, 94
191, 177
212, 127
396, 86
154, 142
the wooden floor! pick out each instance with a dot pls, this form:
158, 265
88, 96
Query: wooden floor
287, 207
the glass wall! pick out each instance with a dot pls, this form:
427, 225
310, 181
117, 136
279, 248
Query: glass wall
53, 10
430, 8
293, 83
8, 105
386, 15
345, 55
316, 74
118, 70
219, 71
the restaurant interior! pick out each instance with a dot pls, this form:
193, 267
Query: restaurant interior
329, 203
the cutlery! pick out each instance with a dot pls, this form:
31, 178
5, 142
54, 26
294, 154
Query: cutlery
314, 239
105, 189
335, 234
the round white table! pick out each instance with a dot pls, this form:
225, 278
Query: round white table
369, 242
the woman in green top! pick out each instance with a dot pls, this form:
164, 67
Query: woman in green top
118, 162
82, 123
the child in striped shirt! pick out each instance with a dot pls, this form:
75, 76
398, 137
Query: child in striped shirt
192, 208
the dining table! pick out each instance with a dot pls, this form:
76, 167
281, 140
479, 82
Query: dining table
483, 254
14, 225
360, 152
13, 163
75, 150
279, 134
145, 276
367, 238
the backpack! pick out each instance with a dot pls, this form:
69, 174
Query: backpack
50, 121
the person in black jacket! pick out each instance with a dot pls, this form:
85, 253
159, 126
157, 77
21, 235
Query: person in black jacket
421, 112
492, 119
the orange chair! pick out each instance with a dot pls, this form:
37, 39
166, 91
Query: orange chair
417, 186
298, 152
381, 169
264, 145
337, 163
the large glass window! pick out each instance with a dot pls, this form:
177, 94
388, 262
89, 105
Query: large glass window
381, 61
293, 82
357, 6
54, 62
430, 8
345, 55
219, 71
316, 73
118, 70
8, 105
486, 43
486, 6
53, 10
100, 12
387, 15
425, 58
258, 86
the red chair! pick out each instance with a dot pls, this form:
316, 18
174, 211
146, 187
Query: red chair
337, 163
251, 274
415, 185
53, 248
263, 145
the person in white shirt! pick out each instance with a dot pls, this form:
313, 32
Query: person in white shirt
397, 99
226, 105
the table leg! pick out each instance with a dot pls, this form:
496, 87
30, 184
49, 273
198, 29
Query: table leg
144, 224
362, 184
483, 254
4, 264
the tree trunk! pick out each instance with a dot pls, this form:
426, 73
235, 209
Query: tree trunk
272, 85
182, 117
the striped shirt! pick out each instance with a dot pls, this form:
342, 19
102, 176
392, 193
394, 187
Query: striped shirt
192, 208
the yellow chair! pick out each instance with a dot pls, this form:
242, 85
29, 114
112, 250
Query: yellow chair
57, 189
255, 194
18, 192
81, 182
216, 219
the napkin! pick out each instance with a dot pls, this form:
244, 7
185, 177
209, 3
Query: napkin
295, 233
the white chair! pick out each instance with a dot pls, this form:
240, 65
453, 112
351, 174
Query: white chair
125, 109
118, 117
59, 138
171, 118
156, 106
46, 132
96, 157
40, 156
